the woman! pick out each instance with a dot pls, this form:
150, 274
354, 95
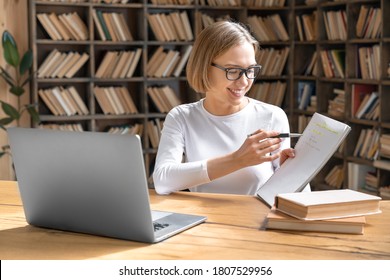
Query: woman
222, 143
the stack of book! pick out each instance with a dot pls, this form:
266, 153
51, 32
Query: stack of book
336, 106
337, 211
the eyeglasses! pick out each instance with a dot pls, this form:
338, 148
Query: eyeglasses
233, 74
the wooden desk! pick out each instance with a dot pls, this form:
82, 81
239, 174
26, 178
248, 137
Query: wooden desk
233, 231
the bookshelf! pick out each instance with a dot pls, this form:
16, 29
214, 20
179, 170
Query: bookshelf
301, 52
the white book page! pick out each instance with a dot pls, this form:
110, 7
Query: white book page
319, 141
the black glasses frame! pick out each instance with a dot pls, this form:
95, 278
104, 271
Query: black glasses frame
242, 71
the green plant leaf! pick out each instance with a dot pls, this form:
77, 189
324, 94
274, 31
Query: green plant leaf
26, 62
18, 91
7, 77
10, 48
5, 121
33, 113
2, 154
10, 110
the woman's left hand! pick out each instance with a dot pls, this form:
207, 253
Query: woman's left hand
285, 154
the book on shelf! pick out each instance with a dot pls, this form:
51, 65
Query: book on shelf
357, 174
305, 91
63, 101
77, 65
320, 139
335, 177
369, 66
367, 104
350, 225
336, 106
358, 92
369, 22
329, 204
272, 93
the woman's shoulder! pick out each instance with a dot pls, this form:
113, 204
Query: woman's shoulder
186, 108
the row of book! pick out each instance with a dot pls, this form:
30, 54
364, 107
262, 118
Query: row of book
268, 28
174, 26
369, 23
306, 26
336, 106
365, 102
153, 129
220, 3
269, 92
370, 62
338, 211
335, 24
111, 26
119, 64
312, 68
335, 177
67, 26
367, 144
272, 61
163, 97
93, 1
131, 129
203, 20
64, 127
333, 63
115, 100
62, 64
384, 142
306, 92
167, 63
63, 101
362, 177
172, 2
265, 3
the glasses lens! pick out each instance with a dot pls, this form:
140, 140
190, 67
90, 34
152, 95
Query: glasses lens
235, 73
252, 72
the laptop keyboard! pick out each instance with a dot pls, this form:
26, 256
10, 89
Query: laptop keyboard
157, 226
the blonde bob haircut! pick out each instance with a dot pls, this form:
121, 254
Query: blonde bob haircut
212, 42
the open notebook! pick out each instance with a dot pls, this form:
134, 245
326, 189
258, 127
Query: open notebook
319, 141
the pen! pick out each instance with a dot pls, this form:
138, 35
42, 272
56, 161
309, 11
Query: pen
287, 135
283, 135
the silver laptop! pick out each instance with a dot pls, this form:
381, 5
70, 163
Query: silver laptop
89, 182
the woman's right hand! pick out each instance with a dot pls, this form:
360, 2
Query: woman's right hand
258, 148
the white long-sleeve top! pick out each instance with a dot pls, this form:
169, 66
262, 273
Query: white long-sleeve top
191, 136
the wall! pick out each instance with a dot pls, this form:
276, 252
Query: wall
14, 18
